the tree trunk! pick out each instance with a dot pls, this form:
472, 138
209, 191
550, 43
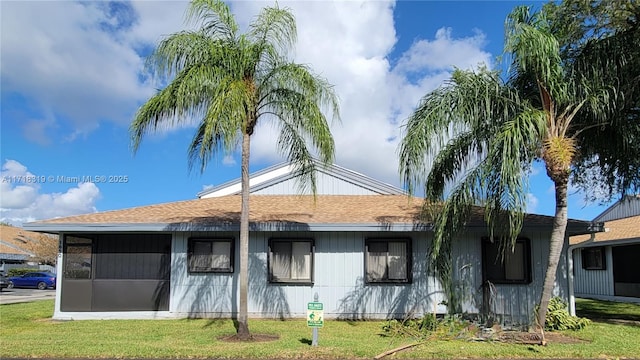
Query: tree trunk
243, 323
555, 248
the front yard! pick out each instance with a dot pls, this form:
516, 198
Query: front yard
27, 331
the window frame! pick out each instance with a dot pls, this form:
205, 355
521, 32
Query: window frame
270, 261
190, 253
587, 259
408, 279
528, 271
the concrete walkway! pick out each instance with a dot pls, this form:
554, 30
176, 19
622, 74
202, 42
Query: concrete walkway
14, 296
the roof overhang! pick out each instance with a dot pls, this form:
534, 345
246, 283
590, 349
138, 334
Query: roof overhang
179, 227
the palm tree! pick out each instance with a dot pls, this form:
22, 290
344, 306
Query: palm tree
228, 82
474, 140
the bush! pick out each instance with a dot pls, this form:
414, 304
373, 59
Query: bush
558, 317
19, 271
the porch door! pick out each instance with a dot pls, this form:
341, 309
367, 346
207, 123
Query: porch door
77, 272
626, 277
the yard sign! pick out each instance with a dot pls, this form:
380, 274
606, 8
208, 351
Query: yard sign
315, 314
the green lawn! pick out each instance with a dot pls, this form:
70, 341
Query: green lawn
27, 331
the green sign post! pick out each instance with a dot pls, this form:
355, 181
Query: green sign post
315, 318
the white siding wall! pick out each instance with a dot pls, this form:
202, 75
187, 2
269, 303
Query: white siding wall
326, 185
512, 304
339, 282
624, 208
589, 283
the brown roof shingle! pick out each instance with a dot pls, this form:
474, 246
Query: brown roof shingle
627, 228
327, 209
274, 212
17, 241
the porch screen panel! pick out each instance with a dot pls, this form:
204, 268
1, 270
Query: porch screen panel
77, 258
133, 256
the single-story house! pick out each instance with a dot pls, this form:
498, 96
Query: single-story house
605, 264
359, 244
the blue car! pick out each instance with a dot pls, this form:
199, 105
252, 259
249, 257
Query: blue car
40, 280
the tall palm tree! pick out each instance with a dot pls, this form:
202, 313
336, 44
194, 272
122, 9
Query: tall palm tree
228, 82
474, 140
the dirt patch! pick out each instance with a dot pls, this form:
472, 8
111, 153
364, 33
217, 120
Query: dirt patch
252, 338
531, 338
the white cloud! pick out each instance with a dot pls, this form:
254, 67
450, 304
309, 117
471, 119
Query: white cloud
443, 52
349, 43
81, 63
21, 200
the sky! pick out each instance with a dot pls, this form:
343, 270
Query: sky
73, 76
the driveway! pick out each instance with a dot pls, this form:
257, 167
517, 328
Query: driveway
13, 296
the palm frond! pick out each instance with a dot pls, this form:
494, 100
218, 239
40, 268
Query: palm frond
274, 27
216, 18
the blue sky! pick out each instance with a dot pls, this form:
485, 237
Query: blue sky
72, 78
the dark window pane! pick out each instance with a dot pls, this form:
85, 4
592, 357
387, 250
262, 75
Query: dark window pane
210, 255
387, 260
291, 261
593, 258
512, 268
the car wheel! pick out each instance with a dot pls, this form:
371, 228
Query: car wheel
42, 285
10, 285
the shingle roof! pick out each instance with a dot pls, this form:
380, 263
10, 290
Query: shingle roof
265, 208
286, 211
621, 229
14, 240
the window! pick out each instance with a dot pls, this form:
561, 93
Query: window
513, 268
77, 257
593, 258
291, 261
388, 260
210, 255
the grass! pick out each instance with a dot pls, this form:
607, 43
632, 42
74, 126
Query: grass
607, 310
27, 331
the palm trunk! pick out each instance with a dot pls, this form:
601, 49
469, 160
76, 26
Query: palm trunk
555, 249
243, 324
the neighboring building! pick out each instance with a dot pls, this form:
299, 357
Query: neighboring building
606, 264
15, 248
359, 244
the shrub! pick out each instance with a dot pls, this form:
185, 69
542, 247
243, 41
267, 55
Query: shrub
558, 317
19, 271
